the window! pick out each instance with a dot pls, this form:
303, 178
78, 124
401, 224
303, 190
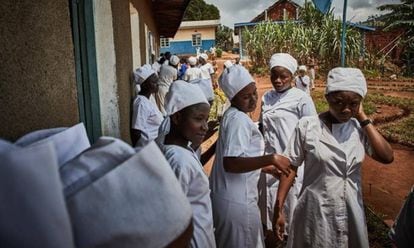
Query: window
285, 14
196, 41
165, 42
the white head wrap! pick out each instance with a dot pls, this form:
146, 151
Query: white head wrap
68, 142
234, 79
205, 86
302, 68
33, 209
228, 64
181, 95
192, 60
346, 79
284, 60
126, 199
204, 56
142, 73
174, 60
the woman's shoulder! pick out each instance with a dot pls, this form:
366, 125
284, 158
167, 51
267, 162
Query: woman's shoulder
178, 155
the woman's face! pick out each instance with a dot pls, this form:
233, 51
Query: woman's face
193, 122
246, 99
343, 105
151, 84
281, 78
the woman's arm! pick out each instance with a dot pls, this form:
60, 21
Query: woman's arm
285, 184
246, 164
381, 149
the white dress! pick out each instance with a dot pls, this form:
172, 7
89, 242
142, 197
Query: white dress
234, 195
168, 74
147, 118
192, 73
194, 182
303, 83
330, 211
280, 114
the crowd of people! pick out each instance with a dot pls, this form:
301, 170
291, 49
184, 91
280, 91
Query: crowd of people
295, 174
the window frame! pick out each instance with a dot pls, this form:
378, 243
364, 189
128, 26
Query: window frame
194, 41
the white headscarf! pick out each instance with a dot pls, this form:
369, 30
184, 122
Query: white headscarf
205, 86
68, 142
126, 199
346, 79
284, 60
181, 95
302, 68
142, 73
228, 64
192, 60
174, 60
234, 79
33, 209
204, 56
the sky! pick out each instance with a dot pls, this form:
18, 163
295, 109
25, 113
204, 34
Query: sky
235, 11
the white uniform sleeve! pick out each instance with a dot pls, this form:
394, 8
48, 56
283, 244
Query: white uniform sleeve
306, 106
184, 177
236, 138
140, 117
295, 149
210, 69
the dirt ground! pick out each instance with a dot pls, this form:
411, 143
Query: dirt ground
384, 186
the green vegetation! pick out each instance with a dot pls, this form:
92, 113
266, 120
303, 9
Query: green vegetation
198, 10
318, 37
224, 37
219, 52
377, 230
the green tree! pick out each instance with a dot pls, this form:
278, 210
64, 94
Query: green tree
224, 37
402, 16
198, 10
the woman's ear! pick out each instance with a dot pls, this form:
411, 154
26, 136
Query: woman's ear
176, 118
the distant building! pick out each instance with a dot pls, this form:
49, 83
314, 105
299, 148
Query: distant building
382, 41
281, 10
191, 35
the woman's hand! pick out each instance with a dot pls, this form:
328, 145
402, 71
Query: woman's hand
360, 116
272, 170
279, 225
282, 164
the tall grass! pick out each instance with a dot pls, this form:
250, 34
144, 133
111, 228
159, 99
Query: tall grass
318, 37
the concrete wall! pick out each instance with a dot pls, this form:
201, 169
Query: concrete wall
124, 63
106, 69
37, 72
182, 41
186, 34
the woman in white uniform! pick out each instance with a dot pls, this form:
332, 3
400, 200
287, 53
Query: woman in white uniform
188, 111
302, 81
332, 147
146, 117
282, 107
193, 72
236, 170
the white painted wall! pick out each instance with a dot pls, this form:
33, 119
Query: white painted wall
136, 52
105, 58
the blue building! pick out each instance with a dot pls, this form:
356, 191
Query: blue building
190, 37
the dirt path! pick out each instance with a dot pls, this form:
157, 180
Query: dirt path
384, 186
